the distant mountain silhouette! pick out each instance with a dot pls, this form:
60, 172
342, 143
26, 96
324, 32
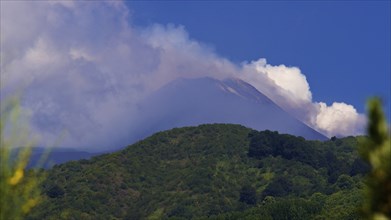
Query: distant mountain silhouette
188, 102
46, 158
191, 102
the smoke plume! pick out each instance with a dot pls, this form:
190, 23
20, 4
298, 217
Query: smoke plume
83, 67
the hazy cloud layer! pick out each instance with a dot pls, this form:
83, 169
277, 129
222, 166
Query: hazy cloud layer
84, 67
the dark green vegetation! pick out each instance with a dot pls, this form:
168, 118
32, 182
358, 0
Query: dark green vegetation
211, 171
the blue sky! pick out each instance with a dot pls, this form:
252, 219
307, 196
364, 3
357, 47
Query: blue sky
90, 63
343, 47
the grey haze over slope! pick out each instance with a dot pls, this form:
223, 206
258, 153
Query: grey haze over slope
187, 102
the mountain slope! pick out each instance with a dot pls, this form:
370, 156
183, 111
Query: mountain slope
189, 102
46, 158
207, 171
56, 156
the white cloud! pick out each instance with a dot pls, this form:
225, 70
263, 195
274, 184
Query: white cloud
41, 54
288, 87
77, 53
289, 79
339, 119
84, 67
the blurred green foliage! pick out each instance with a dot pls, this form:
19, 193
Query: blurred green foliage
19, 189
376, 150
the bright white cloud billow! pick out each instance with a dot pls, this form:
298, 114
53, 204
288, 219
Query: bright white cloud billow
84, 68
339, 118
288, 87
288, 79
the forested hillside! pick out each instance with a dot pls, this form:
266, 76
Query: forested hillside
217, 171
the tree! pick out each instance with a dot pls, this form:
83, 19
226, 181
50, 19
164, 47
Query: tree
344, 182
359, 167
248, 195
376, 150
55, 191
279, 187
260, 144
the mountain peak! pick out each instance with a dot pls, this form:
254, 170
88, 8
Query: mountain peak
195, 101
245, 90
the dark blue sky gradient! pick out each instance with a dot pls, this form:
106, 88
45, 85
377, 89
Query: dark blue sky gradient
342, 47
